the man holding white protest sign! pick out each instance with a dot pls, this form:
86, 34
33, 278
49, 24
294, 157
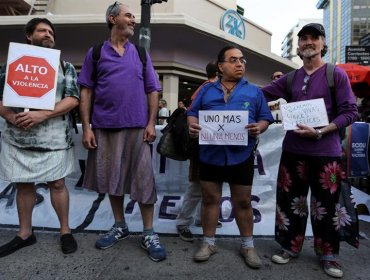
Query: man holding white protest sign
37, 144
227, 148
311, 157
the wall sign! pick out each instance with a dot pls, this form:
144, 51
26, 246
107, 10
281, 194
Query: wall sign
233, 23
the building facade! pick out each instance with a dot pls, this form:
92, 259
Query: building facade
345, 22
185, 36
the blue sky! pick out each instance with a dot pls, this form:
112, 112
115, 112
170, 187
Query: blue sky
279, 16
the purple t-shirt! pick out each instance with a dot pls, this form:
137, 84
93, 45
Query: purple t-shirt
317, 87
120, 99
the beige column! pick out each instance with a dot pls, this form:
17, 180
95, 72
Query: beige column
171, 91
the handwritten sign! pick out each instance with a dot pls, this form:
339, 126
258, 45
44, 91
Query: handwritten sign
223, 128
31, 77
311, 113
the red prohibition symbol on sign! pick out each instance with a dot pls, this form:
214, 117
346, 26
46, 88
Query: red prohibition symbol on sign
31, 76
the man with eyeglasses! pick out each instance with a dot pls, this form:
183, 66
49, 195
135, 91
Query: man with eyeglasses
123, 104
311, 158
229, 163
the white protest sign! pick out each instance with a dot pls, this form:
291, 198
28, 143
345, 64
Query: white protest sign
31, 77
223, 128
311, 113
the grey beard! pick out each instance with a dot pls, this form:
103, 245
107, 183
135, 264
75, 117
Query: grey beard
309, 53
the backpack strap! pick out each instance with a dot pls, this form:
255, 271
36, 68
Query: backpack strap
289, 83
330, 77
96, 52
142, 54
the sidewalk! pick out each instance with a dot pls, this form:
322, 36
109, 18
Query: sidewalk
127, 260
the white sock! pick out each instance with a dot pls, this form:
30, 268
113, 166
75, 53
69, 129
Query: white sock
210, 240
247, 242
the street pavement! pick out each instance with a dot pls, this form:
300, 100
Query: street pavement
126, 260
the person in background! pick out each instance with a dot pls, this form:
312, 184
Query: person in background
229, 163
37, 147
275, 105
181, 105
163, 112
276, 75
122, 126
311, 157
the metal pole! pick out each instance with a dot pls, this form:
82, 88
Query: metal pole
144, 31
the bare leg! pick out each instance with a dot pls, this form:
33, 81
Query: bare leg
26, 200
60, 200
116, 203
147, 211
241, 201
211, 193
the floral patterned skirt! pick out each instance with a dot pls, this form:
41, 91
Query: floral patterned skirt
323, 176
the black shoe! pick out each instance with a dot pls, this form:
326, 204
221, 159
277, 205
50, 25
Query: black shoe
68, 243
16, 244
185, 234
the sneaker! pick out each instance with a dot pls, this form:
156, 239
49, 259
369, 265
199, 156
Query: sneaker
204, 252
185, 234
332, 268
155, 250
15, 244
251, 257
68, 243
281, 258
114, 235
199, 224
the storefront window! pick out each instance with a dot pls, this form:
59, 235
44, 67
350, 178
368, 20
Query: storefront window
187, 88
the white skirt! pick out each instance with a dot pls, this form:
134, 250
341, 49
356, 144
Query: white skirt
27, 166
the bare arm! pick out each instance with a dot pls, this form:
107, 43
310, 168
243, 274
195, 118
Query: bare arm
149, 134
88, 137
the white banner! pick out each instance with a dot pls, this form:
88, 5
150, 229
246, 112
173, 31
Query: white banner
89, 211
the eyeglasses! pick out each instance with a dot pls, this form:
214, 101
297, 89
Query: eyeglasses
305, 85
234, 60
113, 6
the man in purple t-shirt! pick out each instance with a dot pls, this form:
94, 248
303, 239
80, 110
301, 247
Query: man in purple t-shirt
311, 158
123, 110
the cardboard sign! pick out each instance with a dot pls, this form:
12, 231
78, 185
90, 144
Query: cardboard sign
31, 77
311, 113
223, 128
